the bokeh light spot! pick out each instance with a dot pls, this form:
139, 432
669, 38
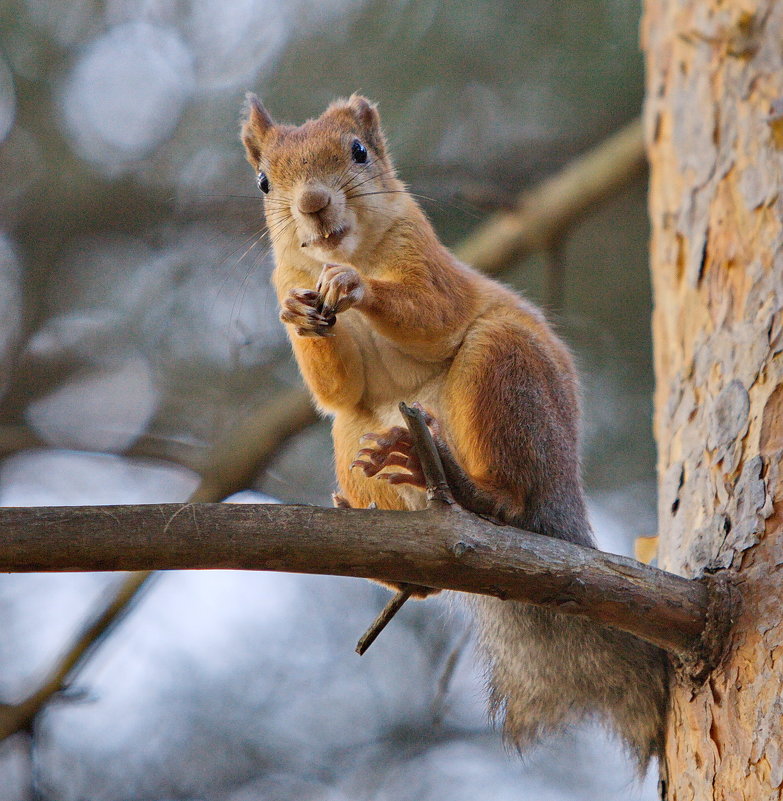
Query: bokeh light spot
127, 92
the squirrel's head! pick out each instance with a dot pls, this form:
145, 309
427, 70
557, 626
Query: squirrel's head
329, 187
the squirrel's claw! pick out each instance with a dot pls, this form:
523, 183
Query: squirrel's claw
302, 310
392, 448
339, 502
339, 288
414, 479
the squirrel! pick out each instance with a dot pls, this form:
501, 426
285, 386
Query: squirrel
378, 311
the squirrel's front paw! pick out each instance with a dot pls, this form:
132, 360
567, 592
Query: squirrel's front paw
339, 288
302, 309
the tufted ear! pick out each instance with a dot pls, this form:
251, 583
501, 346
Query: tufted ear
364, 115
369, 120
255, 126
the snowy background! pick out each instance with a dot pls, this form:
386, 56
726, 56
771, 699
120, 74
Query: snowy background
135, 310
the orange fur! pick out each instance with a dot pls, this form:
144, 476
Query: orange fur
421, 315
378, 312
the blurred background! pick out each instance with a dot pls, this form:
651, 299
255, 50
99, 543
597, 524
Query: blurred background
137, 328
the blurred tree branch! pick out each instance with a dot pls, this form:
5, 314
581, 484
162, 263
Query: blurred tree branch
549, 209
244, 453
16, 438
542, 217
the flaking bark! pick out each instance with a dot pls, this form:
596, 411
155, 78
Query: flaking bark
714, 89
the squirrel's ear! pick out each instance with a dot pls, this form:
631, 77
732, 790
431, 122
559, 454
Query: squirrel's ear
255, 126
366, 115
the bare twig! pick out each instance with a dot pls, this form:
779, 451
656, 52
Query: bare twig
438, 492
387, 613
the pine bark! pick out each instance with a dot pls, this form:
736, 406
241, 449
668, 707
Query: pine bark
714, 128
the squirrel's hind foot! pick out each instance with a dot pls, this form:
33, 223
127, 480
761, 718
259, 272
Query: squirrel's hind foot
391, 448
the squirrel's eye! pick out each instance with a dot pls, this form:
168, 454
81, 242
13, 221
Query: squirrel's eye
358, 152
263, 182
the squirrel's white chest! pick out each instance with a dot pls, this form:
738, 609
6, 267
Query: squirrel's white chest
391, 376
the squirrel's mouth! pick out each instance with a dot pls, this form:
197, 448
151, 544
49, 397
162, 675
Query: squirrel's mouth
328, 240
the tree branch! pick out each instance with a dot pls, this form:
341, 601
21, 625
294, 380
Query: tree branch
543, 214
547, 210
234, 464
250, 445
16, 438
393, 606
444, 546
17, 717
438, 492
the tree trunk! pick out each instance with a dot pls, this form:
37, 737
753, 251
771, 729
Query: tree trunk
714, 127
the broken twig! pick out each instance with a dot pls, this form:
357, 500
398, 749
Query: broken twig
438, 492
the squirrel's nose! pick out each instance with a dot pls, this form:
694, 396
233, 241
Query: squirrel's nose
311, 201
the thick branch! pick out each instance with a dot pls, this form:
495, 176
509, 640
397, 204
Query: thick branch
443, 547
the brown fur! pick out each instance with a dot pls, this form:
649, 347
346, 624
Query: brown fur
397, 318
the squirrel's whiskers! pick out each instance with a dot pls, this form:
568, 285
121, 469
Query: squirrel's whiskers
378, 311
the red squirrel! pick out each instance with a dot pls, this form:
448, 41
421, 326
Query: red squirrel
378, 311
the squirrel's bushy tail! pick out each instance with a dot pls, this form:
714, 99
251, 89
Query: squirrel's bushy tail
547, 670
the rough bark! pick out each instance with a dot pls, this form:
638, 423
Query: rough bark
715, 139
442, 546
